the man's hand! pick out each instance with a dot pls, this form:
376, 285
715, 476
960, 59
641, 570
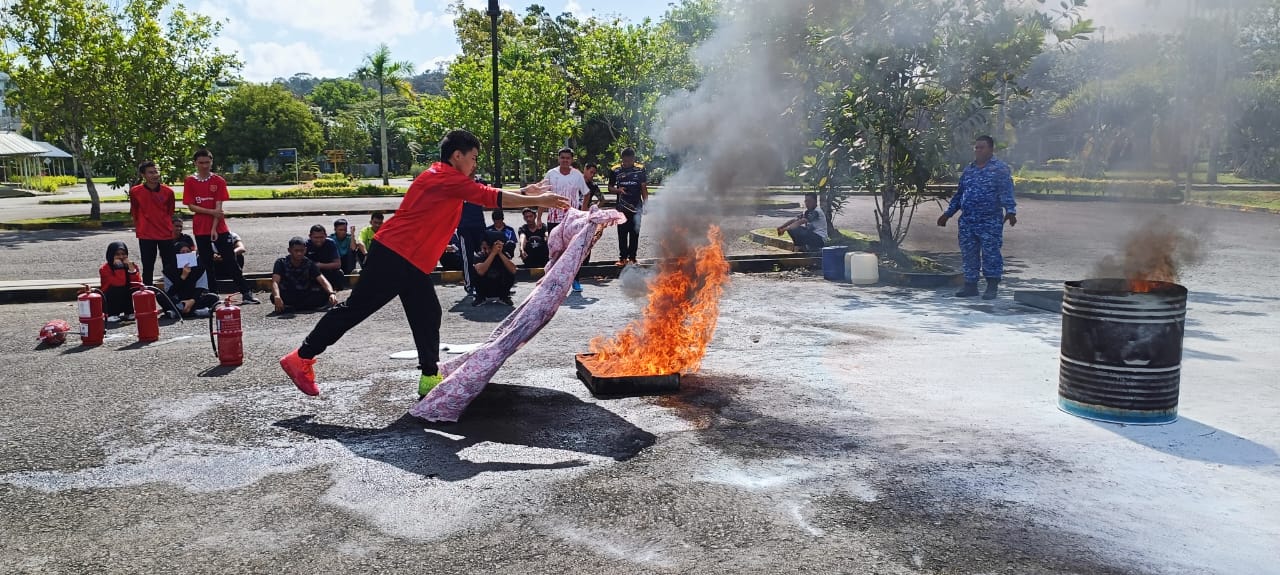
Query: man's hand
450, 249
217, 257
942, 220
536, 189
333, 299
186, 271
498, 245
1012, 219
551, 201
214, 234
279, 304
781, 229
523, 255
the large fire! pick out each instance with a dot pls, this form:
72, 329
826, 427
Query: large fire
678, 322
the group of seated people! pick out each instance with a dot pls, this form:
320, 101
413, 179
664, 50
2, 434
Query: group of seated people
317, 267
488, 264
186, 289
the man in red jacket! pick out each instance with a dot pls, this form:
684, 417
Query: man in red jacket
151, 206
405, 251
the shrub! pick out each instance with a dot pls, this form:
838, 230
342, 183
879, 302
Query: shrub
48, 184
416, 170
332, 177
331, 183
1138, 189
343, 191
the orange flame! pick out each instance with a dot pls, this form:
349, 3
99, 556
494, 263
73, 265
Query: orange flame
678, 322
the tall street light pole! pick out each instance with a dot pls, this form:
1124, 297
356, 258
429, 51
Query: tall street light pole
494, 14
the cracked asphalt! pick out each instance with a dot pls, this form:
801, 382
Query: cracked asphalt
832, 429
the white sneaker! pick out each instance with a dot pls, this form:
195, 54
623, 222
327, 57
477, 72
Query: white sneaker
129, 317
113, 318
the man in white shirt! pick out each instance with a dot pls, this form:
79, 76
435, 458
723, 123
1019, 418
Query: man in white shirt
566, 181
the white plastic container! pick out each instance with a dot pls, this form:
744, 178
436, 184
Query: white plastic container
862, 268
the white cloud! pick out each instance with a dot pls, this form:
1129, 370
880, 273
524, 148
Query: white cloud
347, 19
573, 7
433, 63
265, 61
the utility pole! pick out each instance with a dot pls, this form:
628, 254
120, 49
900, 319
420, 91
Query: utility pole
494, 13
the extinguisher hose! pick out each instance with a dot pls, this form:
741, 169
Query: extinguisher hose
212, 341
160, 294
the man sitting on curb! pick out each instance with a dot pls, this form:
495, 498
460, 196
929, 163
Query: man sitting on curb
808, 230
324, 252
493, 274
297, 284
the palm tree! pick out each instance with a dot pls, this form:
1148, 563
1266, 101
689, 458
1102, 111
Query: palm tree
379, 69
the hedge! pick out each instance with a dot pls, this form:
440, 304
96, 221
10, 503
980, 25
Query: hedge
48, 184
318, 192
331, 183
1154, 189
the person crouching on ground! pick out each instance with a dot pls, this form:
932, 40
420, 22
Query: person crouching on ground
349, 248
534, 251
190, 293
808, 231
494, 274
297, 283
119, 276
324, 252
366, 235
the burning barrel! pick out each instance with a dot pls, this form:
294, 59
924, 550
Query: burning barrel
1122, 350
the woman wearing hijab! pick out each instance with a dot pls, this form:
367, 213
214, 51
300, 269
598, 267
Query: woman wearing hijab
119, 277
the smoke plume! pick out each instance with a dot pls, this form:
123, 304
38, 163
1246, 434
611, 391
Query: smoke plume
1158, 250
733, 132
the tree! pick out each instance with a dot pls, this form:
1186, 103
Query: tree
346, 134
113, 85
336, 94
896, 95
260, 119
379, 69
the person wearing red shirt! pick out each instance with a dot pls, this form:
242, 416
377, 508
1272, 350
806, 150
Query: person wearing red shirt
151, 205
405, 251
118, 278
204, 194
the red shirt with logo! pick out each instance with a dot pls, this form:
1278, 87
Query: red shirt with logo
205, 194
152, 212
429, 214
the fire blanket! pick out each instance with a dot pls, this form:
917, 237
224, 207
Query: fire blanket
466, 375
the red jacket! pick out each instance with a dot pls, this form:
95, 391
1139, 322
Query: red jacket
152, 212
117, 277
429, 214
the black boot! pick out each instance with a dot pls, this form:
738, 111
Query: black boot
992, 285
970, 290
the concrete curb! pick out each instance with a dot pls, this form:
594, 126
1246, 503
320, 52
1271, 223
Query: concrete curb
1232, 207
67, 290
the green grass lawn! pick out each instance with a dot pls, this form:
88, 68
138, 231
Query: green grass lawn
78, 219
1269, 200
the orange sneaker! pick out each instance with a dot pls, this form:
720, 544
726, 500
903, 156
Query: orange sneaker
301, 371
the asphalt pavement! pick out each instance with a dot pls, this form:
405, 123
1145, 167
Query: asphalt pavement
832, 429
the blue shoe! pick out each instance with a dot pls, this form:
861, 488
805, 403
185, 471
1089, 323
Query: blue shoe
577, 287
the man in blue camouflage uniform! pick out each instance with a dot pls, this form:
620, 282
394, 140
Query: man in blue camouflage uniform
985, 200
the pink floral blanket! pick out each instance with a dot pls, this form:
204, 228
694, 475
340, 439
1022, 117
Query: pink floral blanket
466, 376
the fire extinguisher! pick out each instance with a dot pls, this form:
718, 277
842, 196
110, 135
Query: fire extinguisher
93, 322
228, 346
145, 313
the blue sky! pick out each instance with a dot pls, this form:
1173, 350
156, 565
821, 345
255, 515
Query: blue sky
278, 38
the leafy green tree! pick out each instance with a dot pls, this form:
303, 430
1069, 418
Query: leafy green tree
259, 119
385, 74
112, 83
333, 95
347, 134
897, 95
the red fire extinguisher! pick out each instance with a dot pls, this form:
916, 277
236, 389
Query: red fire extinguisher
146, 314
93, 323
229, 347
